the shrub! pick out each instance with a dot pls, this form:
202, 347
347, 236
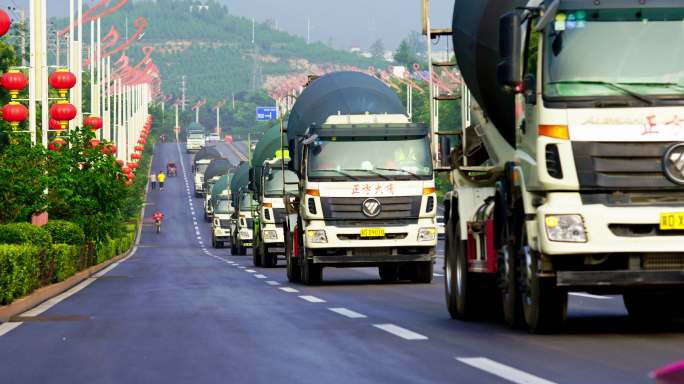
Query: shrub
24, 233
66, 259
19, 270
65, 232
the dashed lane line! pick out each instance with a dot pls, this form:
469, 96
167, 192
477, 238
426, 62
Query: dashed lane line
503, 371
312, 299
259, 276
289, 289
589, 296
250, 271
273, 283
401, 332
348, 313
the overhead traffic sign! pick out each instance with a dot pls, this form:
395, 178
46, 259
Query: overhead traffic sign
266, 113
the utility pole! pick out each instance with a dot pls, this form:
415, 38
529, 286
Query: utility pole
308, 30
22, 20
253, 30
183, 90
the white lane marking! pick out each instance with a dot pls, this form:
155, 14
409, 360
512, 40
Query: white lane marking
312, 299
104, 271
590, 296
437, 274
250, 271
348, 313
288, 289
401, 332
241, 267
273, 283
8, 327
503, 371
258, 276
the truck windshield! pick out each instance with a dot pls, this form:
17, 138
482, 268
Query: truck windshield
195, 136
202, 167
370, 159
274, 184
625, 53
222, 206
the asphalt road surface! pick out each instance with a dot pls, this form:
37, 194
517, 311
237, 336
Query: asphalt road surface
180, 311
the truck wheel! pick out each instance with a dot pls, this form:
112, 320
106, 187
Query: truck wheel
241, 249
256, 255
544, 304
197, 194
510, 296
293, 269
269, 259
422, 272
312, 274
459, 284
389, 273
213, 243
233, 247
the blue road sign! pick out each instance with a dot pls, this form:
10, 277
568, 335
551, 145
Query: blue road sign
266, 113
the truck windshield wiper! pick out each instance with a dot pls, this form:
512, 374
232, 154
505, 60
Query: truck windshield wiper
370, 171
339, 172
656, 84
608, 84
400, 170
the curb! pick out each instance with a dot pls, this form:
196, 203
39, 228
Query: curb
43, 294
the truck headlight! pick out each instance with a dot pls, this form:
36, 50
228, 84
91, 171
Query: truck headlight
565, 228
270, 234
427, 234
316, 236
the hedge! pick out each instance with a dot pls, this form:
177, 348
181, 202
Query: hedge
24, 233
65, 232
19, 270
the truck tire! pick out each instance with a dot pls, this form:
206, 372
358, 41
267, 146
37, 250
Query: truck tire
389, 273
509, 266
461, 291
256, 254
241, 251
293, 270
312, 274
269, 259
544, 305
214, 244
422, 272
233, 247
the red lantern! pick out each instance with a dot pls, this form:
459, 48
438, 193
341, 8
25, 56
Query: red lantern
62, 80
93, 123
109, 149
55, 125
94, 143
14, 81
130, 176
14, 113
63, 112
135, 156
139, 148
120, 162
133, 166
57, 144
5, 23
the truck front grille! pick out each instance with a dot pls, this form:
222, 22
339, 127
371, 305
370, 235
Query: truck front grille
388, 236
621, 165
351, 208
664, 262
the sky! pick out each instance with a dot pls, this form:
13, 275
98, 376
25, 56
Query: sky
347, 23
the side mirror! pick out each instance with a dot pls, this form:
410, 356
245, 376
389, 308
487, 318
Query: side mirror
509, 70
530, 89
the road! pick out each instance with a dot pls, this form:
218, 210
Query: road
180, 311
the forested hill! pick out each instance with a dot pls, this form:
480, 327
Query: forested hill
206, 43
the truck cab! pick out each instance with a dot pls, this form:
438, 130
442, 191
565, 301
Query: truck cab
195, 139
368, 198
222, 209
242, 223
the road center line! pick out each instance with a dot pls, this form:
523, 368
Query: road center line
259, 276
271, 282
312, 299
288, 289
250, 271
503, 371
401, 332
348, 313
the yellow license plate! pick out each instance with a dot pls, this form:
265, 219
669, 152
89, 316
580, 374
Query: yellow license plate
372, 232
672, 221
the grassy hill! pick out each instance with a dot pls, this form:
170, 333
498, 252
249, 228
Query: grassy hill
214, 49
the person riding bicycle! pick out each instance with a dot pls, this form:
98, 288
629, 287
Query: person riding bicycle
158, 217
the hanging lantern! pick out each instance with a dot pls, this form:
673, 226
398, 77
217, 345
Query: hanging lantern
133, 166
130, 176
142, 141
14, 113
109, 149
139, 148
55, 125
135, 156
94, 143
63, 112
125, 169
5, 23
57, 144
14, 81
120, 163
93, 123
62, 80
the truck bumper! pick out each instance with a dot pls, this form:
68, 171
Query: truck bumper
361, 258
402, 237
609, 229
619, 279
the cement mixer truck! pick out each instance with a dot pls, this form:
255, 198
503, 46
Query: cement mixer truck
366, 191
569, 173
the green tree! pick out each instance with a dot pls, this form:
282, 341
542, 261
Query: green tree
404, 56
377, 49
22, 181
